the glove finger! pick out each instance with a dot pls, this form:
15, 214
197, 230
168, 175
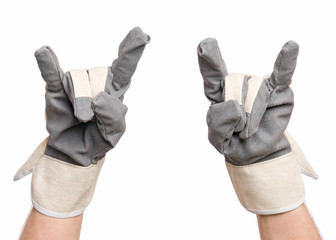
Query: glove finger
236, 87
255, 105
50, 69
213, 69
123, 68
258, 96
285, 65
58, 116
222, 119
77, 87
110, 116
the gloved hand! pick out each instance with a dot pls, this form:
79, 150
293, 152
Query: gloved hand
85, 119
247, 122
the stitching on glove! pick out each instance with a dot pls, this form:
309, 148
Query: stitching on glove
101, 122
99, 151
253, 113
264, 162
70, 165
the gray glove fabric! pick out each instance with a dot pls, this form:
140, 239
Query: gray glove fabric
85, 118
247, 123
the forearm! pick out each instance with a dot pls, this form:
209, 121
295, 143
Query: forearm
292, 225
41, 227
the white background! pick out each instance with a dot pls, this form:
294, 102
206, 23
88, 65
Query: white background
164, 180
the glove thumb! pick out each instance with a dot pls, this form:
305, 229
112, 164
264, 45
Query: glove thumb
222, 119
110, 116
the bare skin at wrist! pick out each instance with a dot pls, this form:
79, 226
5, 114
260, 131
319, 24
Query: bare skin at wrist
292, 225
40, 226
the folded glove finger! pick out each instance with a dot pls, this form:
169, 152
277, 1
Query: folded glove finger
78, 88
110, 116
213, 69
222, 119
50, 69
285, 65
255, 104
259, 96
236, 87
259, 91
123, 68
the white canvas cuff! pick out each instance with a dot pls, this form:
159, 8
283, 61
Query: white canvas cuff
56, 214
269, 187
62, 190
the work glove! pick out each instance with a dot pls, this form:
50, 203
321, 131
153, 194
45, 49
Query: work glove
85, 118
247, 123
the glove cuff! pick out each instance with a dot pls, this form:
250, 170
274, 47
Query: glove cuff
269, 187
59, 189
63, 190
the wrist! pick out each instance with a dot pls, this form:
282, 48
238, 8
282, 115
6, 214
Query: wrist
294, 224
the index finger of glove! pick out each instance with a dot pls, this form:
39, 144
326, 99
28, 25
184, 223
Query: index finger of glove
50, 69
212, 68
129, 54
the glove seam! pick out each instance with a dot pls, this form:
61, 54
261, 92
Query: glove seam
225, 135
249, 132
69, 164
278, 210
55, 214
263, 162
